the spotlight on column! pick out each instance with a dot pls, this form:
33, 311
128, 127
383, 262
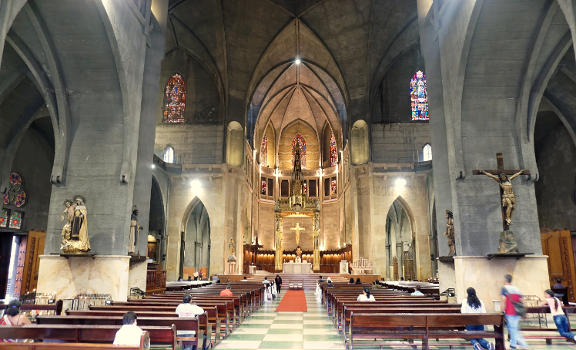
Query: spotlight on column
153, 166
400, 183
297, 61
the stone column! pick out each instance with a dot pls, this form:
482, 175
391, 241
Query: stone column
316, 235
278, 233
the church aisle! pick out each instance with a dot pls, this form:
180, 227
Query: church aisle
267, 329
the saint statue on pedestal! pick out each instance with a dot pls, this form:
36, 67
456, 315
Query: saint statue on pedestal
75, 230
449, 233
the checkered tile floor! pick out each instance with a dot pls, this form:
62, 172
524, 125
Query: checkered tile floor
267, 329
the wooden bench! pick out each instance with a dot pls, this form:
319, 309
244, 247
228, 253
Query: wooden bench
55, 308
425, 309
424, 327
199, 325
32, 333
211, 312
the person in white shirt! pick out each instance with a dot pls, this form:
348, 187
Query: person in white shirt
366, 295
417, 292
188, 310
473, 305
129, 334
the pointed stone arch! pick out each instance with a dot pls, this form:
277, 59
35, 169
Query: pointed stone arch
195, 239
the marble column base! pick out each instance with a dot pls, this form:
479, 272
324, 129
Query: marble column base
530, 275
101, 274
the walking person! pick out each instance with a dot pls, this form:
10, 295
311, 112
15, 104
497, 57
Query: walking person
278, 281
473, 305
511, 295
558, 315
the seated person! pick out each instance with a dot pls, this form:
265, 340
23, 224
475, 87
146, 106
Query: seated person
186, 309
244, 279
189, 278
358, 281
179, 278
351, 281
215, 279
196, 276
558, 284
473, 305
129, 334
366, 295
13, 318
226, 292
329, 282
417, 292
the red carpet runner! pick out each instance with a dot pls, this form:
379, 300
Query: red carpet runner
293, 301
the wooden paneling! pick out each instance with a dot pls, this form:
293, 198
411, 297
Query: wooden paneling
34, 248
558, 246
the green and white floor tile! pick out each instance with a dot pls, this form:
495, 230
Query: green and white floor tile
267, 329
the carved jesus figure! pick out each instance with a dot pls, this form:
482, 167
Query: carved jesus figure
508, 198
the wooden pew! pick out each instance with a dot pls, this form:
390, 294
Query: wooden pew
55, 308
214, 320
158, 335
424, 327
411, 309
30, 333
197, 324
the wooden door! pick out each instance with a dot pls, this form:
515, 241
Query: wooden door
34, 248
558, 246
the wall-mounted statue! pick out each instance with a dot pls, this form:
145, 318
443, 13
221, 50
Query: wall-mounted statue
449, 233
75, 231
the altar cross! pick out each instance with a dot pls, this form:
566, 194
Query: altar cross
297, 230
507, 197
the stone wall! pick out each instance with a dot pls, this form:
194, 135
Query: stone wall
193, 144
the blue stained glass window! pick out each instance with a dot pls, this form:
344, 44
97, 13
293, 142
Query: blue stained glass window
419, 96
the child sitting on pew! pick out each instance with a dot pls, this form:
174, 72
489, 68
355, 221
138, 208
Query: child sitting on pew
129, 334
473, 305
366, 295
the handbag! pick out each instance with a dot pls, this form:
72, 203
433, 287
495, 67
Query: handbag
519, 307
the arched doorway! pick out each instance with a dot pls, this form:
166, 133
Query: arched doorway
400, 243
195, 241
156, 223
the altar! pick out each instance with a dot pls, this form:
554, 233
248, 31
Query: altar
293, 267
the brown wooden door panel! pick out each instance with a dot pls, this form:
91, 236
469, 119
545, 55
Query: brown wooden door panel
34, 248
558, 246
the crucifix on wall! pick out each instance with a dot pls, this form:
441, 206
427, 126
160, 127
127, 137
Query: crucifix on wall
297, 229
504, 179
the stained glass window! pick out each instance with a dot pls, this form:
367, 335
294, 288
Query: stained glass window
174, 100
4, 218
168, 156
300, 142
333, 151
419, 96
264, 151
305, 188
426, 152
333, 186
15, 220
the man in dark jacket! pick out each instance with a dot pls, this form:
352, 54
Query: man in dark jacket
278, 281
